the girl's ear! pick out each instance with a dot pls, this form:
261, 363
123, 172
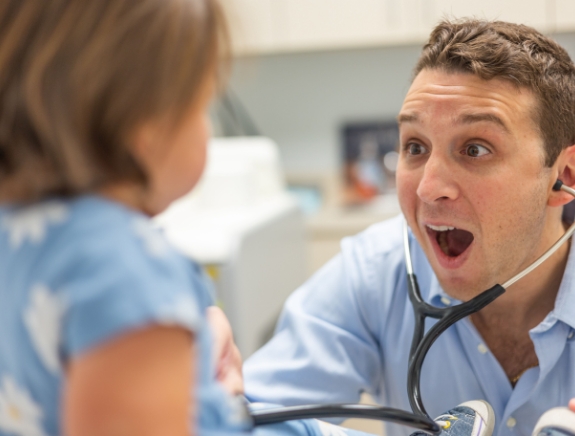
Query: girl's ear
146, 143
566, 173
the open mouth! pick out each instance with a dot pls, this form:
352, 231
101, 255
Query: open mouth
452, 241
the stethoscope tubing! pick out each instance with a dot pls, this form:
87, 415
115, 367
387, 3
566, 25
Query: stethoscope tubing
421, 343
272, 416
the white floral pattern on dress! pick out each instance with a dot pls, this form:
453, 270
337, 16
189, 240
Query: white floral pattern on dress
155, 243
184, 310
43, 319
31, 222
19, 414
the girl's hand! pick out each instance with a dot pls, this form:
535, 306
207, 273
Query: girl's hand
227, 357
572, 404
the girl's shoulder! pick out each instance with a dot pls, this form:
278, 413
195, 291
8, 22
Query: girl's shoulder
106, 265
84, 228
79, 220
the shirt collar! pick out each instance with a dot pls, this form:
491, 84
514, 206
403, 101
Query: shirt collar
565, 302
438, 297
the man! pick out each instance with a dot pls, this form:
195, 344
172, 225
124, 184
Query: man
486, 129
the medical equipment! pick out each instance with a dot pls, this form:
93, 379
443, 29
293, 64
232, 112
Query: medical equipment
246, 230
421, 343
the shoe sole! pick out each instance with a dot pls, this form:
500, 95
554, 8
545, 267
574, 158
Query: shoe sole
559, 417
485, 411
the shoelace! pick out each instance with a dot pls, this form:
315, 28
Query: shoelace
440, 420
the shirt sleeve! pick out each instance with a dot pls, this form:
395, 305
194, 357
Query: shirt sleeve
325, 348
127, 280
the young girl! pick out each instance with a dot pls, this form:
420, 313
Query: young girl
103, 327
102, 125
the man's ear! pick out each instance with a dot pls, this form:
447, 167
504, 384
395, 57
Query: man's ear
566, 173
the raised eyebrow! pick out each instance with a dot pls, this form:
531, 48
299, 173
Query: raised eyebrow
482, 117
407, 118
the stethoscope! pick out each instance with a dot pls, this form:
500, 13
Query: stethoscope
420, 345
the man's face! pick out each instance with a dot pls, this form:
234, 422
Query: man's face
471, 179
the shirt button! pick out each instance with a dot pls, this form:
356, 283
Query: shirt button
482, 348
511, 422
446, 301
571, 334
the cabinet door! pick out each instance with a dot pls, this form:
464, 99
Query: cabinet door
408, 21
253, 25
530, 12
316, 24
564, 15
261, 26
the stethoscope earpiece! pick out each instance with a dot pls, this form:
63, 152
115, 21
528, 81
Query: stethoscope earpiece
557, 185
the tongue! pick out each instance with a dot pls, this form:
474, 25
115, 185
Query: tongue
458, 241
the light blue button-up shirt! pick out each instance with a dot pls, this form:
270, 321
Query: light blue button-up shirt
349, 328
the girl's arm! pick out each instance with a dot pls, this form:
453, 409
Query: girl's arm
572, 404
138, 384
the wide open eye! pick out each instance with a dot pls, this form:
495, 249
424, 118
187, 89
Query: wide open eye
415, 149
475, 150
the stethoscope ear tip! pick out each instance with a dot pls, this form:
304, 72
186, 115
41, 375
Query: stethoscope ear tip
557, 185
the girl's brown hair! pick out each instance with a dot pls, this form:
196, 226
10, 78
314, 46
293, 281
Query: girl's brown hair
77, 76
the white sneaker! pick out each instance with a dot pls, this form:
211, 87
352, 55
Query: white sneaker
559, 421
472, 418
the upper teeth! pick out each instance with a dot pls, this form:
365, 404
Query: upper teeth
440, 228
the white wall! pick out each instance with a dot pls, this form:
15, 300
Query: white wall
301, 99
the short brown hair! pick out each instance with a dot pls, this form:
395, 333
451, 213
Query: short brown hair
518, 54
77, 76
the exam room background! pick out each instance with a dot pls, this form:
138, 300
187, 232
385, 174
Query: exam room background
300, 100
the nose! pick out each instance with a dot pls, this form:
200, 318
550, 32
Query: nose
438, 181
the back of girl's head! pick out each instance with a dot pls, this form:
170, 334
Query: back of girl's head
77, 77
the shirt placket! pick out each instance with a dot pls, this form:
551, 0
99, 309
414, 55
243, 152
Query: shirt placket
492, 378
549, 341
505, 400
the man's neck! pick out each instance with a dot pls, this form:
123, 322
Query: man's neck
526, 303
504, 324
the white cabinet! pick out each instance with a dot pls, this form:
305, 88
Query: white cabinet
564, 14
253, 25
268, 26
530, 12
313, 24
325, 23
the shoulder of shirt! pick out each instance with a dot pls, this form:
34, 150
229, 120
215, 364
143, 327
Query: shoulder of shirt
378, 239
95, 218
98, 219
66, 220
95, 225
